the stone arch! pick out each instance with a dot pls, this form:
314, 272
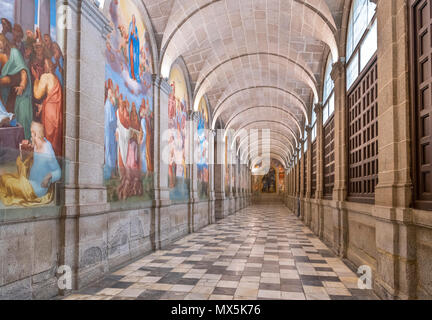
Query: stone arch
325, 56
275, 155
300, 72
278, 140
321, 30
282, 134
273, 149
292, 97
251, 109
274, 122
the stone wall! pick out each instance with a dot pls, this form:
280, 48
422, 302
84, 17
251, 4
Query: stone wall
357, 241
85, 231
389, 236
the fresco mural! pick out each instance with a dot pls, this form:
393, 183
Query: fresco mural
202, 150
129, 118
281, 180
31, 103
177, 116
272, 182
256, 184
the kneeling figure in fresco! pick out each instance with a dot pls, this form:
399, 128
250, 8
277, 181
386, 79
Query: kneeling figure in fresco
37, 170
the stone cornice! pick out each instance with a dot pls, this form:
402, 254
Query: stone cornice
91, 13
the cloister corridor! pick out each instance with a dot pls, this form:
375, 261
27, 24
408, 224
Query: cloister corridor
201, 150
262, 252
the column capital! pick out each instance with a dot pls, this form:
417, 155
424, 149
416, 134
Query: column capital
318, 107
300, 148
162, 84
338, 68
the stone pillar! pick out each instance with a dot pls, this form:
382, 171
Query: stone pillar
320, 151
298, 193
192, 170
307, 202
309, 163
242, 184
395, 233
287, 186
302, 185
211, 157
287, 183
219, 177
231, 172
236, 184
338, 75
44, 16
319, 193
249, 185
162, 201
291, 181
294, 178
297, 180
82, 236
340, 221
24, 14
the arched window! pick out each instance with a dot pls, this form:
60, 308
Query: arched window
362, 102
314, 128
314, 146
305, 137
328, 92
361, 39
328, 122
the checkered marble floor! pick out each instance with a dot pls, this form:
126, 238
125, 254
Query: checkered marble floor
262, 252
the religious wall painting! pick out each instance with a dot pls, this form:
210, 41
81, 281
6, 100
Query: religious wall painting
269, 181
280, 175
202, 150
31, 103
281, 180
129, 115
272, 181
256, 184
178, 103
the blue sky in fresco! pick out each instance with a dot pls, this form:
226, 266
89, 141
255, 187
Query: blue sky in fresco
7, 11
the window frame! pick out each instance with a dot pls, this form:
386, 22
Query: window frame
325, 155
350, 196
327, 118
356, 52
330, 96
350, 89
417, 203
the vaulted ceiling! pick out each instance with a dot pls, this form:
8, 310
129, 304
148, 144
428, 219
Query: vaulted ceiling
260, 62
